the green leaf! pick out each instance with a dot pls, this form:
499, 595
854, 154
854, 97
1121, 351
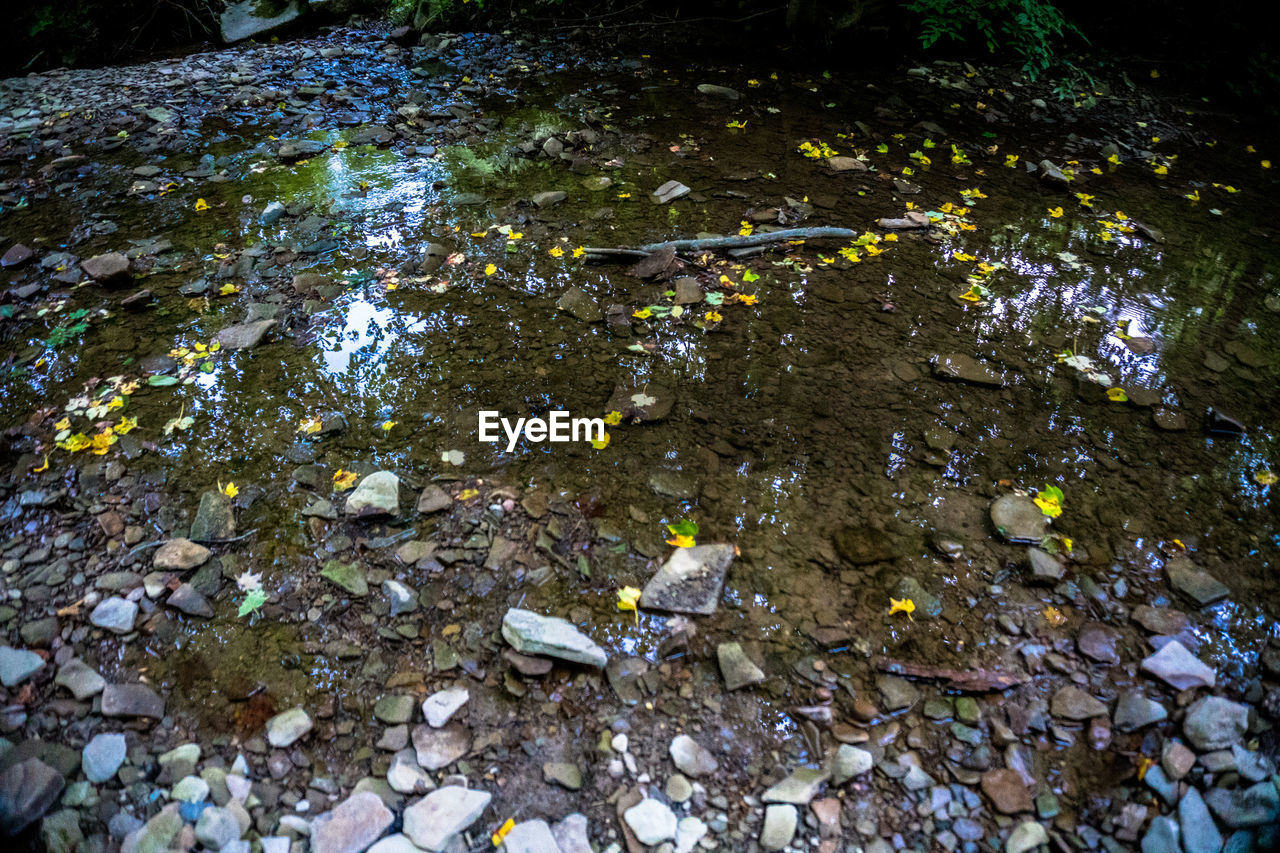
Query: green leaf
161, 381
255, 599
715, 298
684, 527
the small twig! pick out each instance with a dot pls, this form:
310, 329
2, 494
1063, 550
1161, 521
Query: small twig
736, 242
244, 535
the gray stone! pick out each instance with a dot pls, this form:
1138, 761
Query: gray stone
179, 555
533, 634
928, 606
438, 748
1199, 834
714, 91
442, 705
60, 832
433, 499
669, 192
214, 519
394, 709
965, 368
405, 776
131, 700
651, 821
779, 826
102, 757
1072, 703
397, 843
252, 18
571, 834
1018, 519
287, 728
550, 198
109, 268
80, 678
187, 599
1133, 711
1178, 667
691, 757
578, 304
1044, 566
401, 598
798, 788
1241, 809
1098, 642
272, 213
1164, 786
17, 665
530, 836
687, 291
244, 335
352, 826
348, 576
1025, 837
190, 789
377, 494
1196, 584
115, 614
159, 832
1213, 722
690, 580
563, 773
848, 762
27, 791
896, 693
433, 821
737, 669
218, 827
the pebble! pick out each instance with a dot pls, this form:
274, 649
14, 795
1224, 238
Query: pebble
779, 826
651, 821
691, 757
287, 728
432, 822
439, 707
102, 756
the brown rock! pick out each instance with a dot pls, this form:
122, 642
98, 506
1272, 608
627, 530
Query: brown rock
110, 267
180, 555
1006, 790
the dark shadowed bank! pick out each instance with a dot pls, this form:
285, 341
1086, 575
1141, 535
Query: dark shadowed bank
1227, 52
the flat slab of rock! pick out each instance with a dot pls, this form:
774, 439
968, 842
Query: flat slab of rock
377, 494
1072, 703
433, 499
179, 555
1133, 711
440, 706
432, 822
690, 581
349, 576
534, 634
244, 335
189, 600
17, 665
965, 368
245, 20
549, 198
1195, 583
1160, 620
288, 727
1213, 722
110, 268
737, 669
438, 748
354, 824
711, 90
81, 679
1178, 667
131, 700
652, 821
644, 402
1007, 791
669, 192
27, 791
578, 304
214, 518
115, 614
1018, 519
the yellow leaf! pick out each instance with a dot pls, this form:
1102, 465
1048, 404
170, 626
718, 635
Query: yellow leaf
903, 605
891, 238
747, 298
467, 494
628, 596
310, 426
1067, 542
613, 418
601, 443
228, 289
1117, 395
65, 423
643, 314
387, 425
555, 252
1056, 212
126, 425
116, 403
1161, 170
1011, 160
680, 540
961, 256
713, 317
201, 205
229, 489
502, 832
44, 467
579, 252
1264, 477
1053, 616
1266, 164
1085, 199
745, 229
343, 480
1049, 507
103, 441
490, 269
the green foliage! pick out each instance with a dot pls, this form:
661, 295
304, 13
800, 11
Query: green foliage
72, 328
1028, 27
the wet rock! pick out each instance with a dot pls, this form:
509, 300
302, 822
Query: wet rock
60, 832
850, 762
562, 773
115, 614
271, 214
1178, 668
1165, 787
669, 192
678, 485
1051, 174
439, 707
779, 826
1199, 834
1098, 642
438, 748
1045, 567
1213, 722
214, 518
80, 678
530, 836
549, 198
1240, 809
187, 599
643, 402
691, 758
896, 693
110, 268
1197, 585
577, 304
17, 665
288, 727
348, 576
862, 544
1133, 711
16, 255
713, 91
434, 821
737, 669
377, 494
690, 581
251, 18
179, 555
1176, 759
846, 164
651, 821
27, 791
1018, 519
1169, 420
218, 827
352, 826
687, 291
1026, 836
400, 598
1162, 837
1161, 620
394, 709
571, 834
798, 788
244, 335
102, 757
1072, 703
928, 605
433, 499
1007, 791
534, 634
965, 368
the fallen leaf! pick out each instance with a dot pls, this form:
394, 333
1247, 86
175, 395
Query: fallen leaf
903, 605
628, 596
343, 480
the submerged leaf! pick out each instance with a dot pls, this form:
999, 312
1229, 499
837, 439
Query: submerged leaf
628, 596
